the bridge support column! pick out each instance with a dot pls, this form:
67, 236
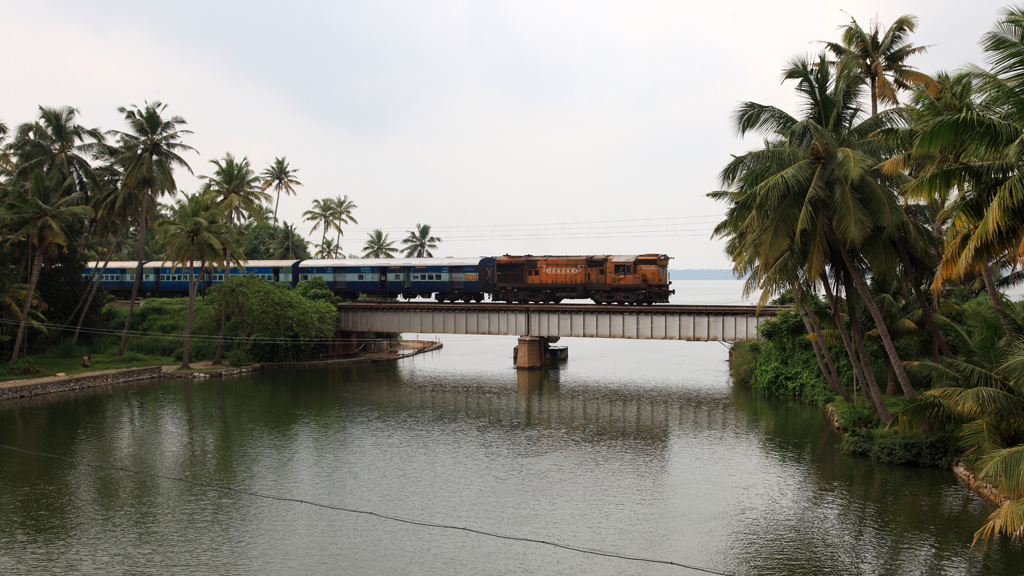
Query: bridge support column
530, 352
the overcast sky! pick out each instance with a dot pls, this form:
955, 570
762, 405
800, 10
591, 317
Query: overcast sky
510, 127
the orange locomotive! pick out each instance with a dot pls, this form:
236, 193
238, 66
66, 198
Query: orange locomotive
604, 279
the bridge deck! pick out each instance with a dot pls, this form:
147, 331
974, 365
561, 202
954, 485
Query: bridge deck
656, 322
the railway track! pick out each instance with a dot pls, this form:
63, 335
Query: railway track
675, 309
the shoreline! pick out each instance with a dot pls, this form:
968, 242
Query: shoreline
19, 389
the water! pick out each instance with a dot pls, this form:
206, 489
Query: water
637, 448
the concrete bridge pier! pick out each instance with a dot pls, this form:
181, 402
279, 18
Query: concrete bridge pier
535, 351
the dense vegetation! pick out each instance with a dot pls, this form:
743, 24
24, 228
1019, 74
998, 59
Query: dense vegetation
879, 227
71, 195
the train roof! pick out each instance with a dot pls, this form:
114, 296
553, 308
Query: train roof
113, 265
390, 262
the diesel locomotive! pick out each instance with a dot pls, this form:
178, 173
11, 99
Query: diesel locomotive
641, 279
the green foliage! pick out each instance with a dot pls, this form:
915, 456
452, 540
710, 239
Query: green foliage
937, 449
274, 323
742, 360
856, 415
784, 363
316, 289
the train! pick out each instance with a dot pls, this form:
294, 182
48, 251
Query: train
605, 279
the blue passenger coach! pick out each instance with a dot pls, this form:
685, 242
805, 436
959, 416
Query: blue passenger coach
452, 279
270, 270
117, 278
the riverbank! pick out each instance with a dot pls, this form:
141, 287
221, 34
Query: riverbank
14, 389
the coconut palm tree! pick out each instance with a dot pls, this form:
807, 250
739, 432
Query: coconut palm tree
280, 177
147, 154
341, 213
40, 215
197, 232
378, 245
328, 250
982, 392
55, 143
321, 214
235, 190
980, 148
812, 193
881, 57
419, 244
287, 245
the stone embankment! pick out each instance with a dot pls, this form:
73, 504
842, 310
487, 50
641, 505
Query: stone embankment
53, 384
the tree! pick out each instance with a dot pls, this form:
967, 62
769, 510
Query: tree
810, 203
280, 177
328, 250
341, 213
419, 244
378, 245
881, 57
147, 155
56, 144
982, 392
234, 187
320, 214
287, 245
41, 216
195, 233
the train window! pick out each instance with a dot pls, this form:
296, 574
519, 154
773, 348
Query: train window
623, 268
360, 277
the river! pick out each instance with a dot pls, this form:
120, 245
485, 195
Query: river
640, 449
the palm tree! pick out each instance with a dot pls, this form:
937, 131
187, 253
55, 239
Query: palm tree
55, 143
280, 177
881, 57
341, 213
147, 155
419, 244
983, 393
327, 250
812, 194
378, 245
196, 232
41, 216
235, 189
287, 245
320, 214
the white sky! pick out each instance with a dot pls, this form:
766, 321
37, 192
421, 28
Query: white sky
502, 124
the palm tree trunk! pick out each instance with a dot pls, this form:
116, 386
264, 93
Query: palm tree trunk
223, 307
37, 266
876, 314
276, 204
96, 283
859, 370
890, 388
138, 272
926, 309
191, 313
858, 339
825, 360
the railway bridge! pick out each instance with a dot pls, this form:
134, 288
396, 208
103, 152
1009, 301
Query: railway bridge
539, 325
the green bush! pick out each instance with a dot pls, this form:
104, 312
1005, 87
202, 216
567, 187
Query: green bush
742, 361
859, 415
937, 449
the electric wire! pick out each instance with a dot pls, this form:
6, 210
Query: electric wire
379, 515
